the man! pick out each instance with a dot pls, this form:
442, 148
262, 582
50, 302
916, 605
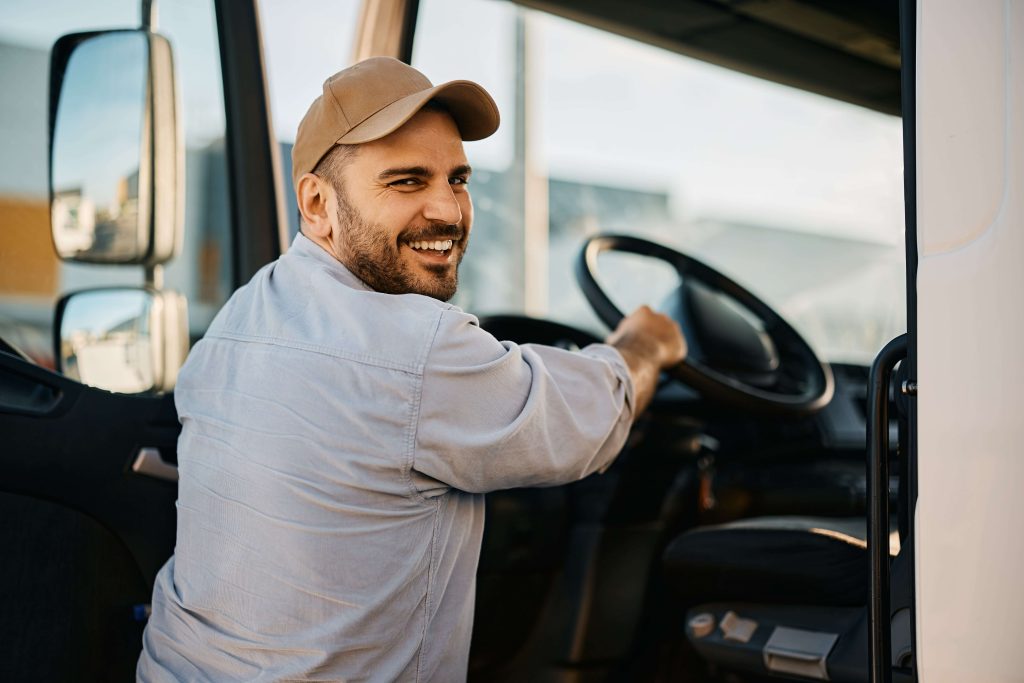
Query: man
340, 421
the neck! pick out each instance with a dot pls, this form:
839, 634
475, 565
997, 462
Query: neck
321, 242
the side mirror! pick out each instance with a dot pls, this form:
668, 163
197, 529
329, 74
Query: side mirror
123, 339
115, 159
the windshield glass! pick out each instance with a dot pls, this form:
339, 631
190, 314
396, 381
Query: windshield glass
796, 196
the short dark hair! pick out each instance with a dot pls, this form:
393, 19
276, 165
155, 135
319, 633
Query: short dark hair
330, 167
333, 163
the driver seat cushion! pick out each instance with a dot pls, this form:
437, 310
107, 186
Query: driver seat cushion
783, 560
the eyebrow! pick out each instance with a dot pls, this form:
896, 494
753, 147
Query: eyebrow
422, 171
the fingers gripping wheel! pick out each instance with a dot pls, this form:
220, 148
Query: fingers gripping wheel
741, 352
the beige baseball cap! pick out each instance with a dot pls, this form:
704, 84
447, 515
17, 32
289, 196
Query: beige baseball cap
375, 97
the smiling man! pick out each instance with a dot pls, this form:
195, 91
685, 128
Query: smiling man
411, 227
340, 421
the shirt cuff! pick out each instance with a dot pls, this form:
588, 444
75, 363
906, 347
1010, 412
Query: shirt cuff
611, 355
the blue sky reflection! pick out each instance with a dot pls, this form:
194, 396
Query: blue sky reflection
99, 119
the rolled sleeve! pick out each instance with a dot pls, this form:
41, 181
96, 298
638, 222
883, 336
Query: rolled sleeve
497, 415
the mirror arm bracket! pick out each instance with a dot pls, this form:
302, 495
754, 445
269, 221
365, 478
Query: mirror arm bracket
148, 13
155, 276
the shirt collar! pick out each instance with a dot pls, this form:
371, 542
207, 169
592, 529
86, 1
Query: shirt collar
303, 247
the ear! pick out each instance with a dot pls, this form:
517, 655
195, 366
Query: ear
312, 196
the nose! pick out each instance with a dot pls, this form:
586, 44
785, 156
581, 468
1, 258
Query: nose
442, 205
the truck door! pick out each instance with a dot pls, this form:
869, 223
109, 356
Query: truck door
87, 484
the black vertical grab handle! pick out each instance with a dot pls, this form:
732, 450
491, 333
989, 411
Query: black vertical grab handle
879, 643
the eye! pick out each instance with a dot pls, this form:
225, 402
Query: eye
459, 180
405, 182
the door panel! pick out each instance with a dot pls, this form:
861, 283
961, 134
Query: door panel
82, 534
86, 534
71, 593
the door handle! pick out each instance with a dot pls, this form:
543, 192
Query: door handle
150, 463
879, 626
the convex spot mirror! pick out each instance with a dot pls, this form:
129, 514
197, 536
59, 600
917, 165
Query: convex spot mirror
115, 160
122, 339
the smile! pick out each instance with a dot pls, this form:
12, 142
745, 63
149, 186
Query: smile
436, 245
432, 253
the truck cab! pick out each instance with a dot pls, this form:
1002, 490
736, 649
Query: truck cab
823, 194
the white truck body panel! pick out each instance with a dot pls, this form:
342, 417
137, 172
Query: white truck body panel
970, 287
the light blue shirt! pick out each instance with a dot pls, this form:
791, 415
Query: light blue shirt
335, 445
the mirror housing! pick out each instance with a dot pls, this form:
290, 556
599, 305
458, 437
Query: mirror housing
128, 340
114, 91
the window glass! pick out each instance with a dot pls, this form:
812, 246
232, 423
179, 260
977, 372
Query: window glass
203, 270
31, 276
794, 195
491, 278
325, 30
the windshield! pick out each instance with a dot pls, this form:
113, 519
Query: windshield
796, 196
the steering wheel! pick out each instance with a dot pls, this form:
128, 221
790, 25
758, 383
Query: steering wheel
741, 352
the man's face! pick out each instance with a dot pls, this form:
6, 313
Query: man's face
403, 209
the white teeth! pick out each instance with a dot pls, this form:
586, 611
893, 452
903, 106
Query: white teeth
436, 245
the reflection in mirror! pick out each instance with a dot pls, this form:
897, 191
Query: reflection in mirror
632, 280
116, 167
105, 340
122, 339
100, 141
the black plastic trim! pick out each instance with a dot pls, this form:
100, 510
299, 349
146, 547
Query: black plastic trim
412, 10
250, 155
725, 33
908, 97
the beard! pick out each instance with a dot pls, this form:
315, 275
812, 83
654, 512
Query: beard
372, 255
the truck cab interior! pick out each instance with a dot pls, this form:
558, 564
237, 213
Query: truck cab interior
736, 164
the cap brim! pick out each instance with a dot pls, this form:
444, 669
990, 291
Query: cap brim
475, 113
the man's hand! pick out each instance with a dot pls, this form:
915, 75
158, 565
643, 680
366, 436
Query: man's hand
649, 343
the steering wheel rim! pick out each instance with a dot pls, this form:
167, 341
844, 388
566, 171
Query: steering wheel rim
710, 382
